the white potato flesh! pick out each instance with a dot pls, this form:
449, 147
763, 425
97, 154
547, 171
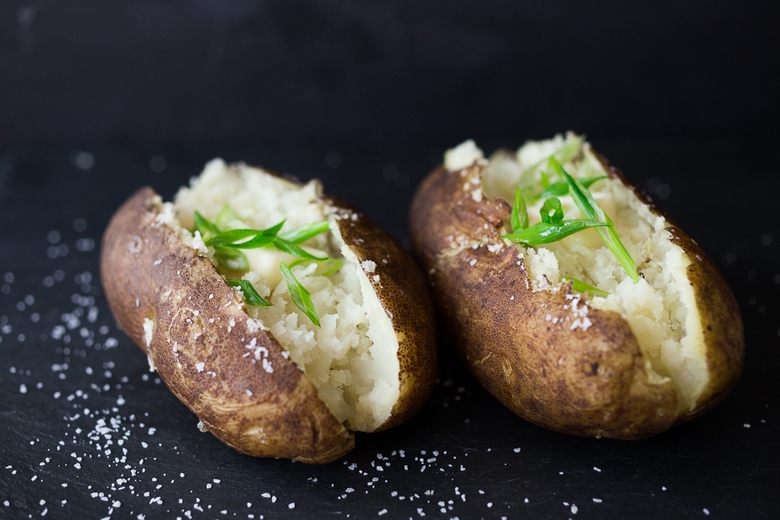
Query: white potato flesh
352, 357
660, 308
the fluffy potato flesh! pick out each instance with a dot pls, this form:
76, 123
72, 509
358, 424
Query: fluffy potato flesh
352, 357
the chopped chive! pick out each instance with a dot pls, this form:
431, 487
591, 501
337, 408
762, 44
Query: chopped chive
561, 188
300, 296
590, 208
238, 237
304, 233
582, 287
295, 250
250, 294
551, 211
546, 233
519, 219
231, 258
205, 227
330, 266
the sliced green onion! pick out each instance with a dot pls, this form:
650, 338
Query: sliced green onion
231, 258
205, 227
304, 233
561, 188
238, 237
330, 266
300, 296
590, 208
250, 294
551, 211
546, 233
519, 219
295, 250
582, 287
324, 268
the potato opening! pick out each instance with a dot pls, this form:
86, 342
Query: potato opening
352, 356
660, 308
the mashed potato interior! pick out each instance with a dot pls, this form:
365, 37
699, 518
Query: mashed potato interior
660, 308
352, 357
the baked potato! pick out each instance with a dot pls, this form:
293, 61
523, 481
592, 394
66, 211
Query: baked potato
569, 295
283, 318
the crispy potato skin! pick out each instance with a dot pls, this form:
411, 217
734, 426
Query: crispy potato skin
237, 379
528, 348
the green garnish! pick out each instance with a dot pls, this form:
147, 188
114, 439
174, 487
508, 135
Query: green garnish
589, 207
300, 296
237, 238
228, 255
231, 259
554, 227
519, 211
205, 227
546, 233
295, 250
580, 286
561, 188
330, 266
250, 294
304, 233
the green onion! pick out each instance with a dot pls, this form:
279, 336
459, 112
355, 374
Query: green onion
551, 205
519, 211
250, 294
300, 296
304, 233
231, 259
205, 227
561, 188
295, 250
325, 268
330, 266
546, 233
582, 287
238, 237
228, 255
590, 208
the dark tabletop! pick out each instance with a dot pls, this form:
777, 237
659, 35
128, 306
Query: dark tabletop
100, 98
88, 432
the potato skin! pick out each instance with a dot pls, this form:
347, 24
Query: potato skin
235, 377
533, 350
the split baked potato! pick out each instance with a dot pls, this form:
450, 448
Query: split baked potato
283, 318
569, 295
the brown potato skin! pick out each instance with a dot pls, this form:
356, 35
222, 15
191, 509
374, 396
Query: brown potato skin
525, 347
147, 272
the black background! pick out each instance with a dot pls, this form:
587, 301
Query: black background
98, 98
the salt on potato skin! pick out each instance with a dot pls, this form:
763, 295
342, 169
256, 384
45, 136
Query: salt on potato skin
558, 358
233, 374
